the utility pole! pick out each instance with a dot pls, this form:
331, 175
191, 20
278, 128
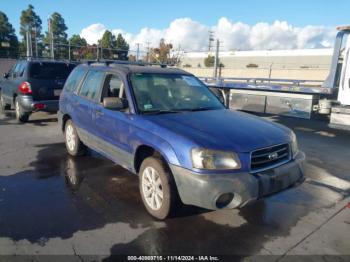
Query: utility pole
148, 52
216, 61
137, 52
211, 39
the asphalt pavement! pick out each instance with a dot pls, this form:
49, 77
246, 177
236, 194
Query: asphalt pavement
89, 208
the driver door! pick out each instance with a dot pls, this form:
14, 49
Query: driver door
112, 127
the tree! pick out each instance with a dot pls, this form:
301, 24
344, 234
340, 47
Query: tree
8, 38
78, 45
30, 21
107, 43
122, 48
58, 30
162, 53
209, 61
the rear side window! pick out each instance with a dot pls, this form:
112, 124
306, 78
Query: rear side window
19, 69
47, 70
92, 83
74, 79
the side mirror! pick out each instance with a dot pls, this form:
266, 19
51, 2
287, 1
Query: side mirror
6, 75
115, 103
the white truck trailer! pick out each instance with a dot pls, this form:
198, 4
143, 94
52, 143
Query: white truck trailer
296, 98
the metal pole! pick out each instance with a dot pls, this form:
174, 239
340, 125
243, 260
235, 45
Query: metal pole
270, 71
36, 42
137, 52
97, 52
69, 49
216, 61
30, 42
27, 43
148, 52
52, 53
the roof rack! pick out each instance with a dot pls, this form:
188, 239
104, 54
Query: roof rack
122, 62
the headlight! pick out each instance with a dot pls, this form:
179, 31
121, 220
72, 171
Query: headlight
214, 159
295, 147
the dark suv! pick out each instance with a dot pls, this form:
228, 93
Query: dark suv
166, 126
33, 85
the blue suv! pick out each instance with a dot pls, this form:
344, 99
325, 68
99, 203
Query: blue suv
166, 126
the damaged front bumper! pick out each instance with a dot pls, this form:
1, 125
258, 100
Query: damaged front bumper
206, 190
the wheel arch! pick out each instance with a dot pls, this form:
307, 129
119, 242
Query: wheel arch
143, 151
65, 118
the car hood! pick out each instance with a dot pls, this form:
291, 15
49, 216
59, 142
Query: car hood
223, 129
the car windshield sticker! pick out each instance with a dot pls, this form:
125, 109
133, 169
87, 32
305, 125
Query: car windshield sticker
191, 81
147, 106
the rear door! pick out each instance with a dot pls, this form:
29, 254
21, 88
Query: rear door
10, 85
86, 100
47, 79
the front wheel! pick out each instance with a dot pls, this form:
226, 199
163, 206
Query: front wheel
157, 188
73, 143
21, 116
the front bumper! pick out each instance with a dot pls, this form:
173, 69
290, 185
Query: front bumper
204, 190
28, 104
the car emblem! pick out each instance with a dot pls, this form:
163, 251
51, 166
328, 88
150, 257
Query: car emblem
273, 156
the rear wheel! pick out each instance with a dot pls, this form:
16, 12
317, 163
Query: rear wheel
157, 188
73, 143
21, 116
3, 105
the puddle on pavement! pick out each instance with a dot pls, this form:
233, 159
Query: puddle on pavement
59, 195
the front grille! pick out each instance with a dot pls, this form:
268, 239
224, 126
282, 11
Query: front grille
269, 157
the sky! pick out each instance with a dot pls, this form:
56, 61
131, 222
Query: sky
239, 25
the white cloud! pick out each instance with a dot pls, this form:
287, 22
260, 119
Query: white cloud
191, 35
93, 32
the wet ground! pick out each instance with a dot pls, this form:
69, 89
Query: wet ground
51, 203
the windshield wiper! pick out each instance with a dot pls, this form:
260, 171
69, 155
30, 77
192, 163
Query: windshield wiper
202, 109
161, 111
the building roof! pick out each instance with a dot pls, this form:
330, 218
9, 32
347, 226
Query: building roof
265, 53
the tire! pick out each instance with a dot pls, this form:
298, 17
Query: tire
155, 177
73, 143
22, 117
3, 105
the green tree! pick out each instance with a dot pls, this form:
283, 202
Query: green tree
8, 38
30, 21
209, 61
78, 45
58, 30
108, 42
122, 48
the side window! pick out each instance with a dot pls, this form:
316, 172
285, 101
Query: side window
91, 86
16, 70
21, 69
74, 79
113, 87
11, 71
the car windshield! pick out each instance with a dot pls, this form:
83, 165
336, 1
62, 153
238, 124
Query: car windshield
50, 70
170, 93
